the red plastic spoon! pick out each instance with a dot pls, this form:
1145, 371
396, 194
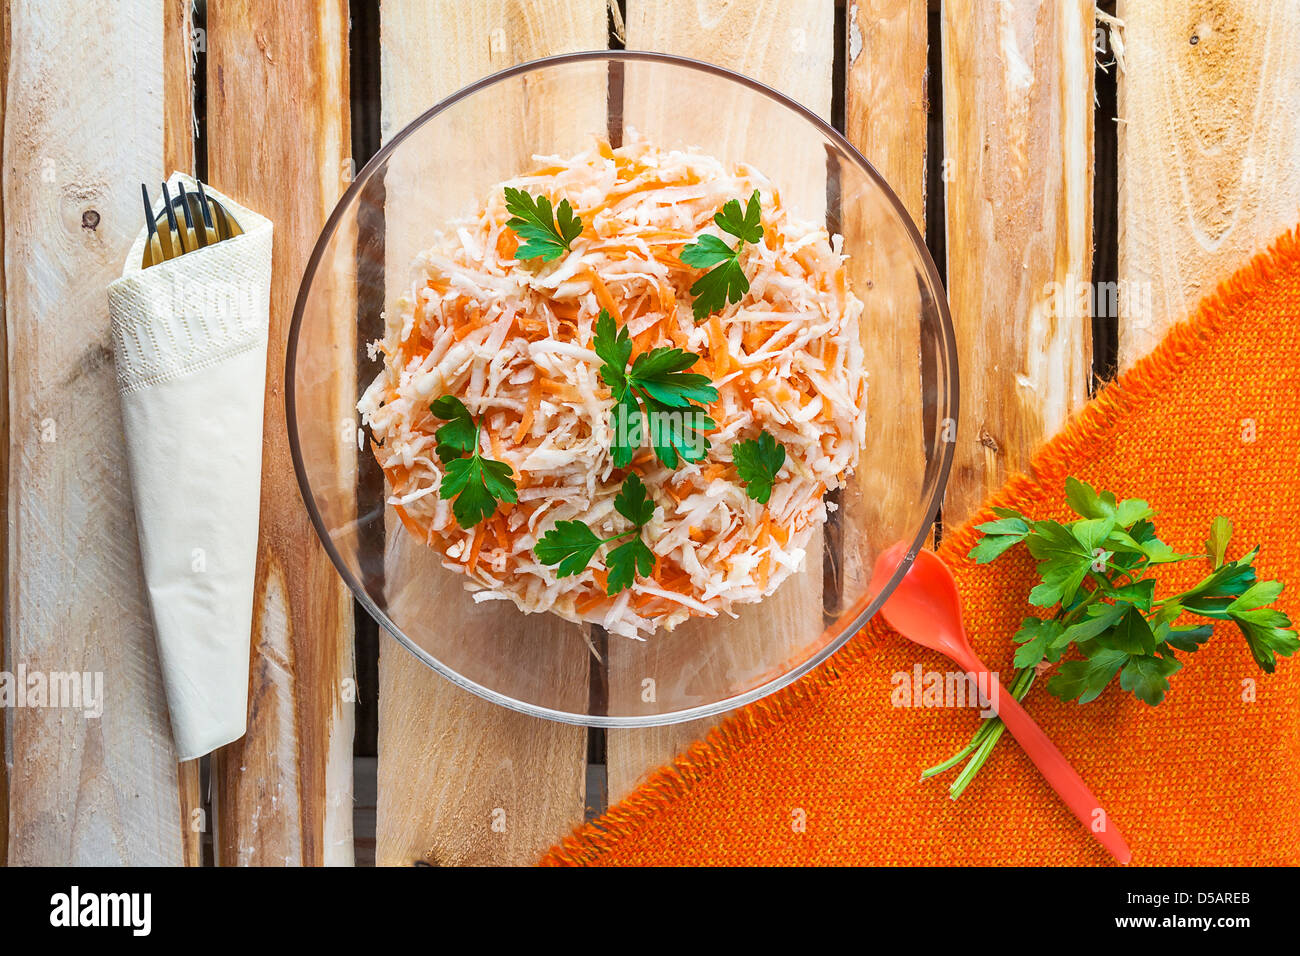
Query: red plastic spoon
926, 609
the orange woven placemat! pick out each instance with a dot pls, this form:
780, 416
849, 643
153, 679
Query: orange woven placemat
827, 771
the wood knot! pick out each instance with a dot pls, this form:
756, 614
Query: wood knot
987, 440
90, 219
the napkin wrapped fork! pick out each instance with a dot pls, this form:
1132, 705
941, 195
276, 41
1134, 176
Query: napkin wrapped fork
189, 340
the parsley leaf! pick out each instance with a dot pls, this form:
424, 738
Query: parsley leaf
676, 432
757, 463
659, 380
1216, 545
1063, 561
1147, 677
614, 346
547, 234
627, 561
716, 288
477, 483
633, 502
1010, 529
572, 545
1085, 680
457, 437
726, 281
661, 374
707, 251
1038, 639
628, 425
1088, 503
747, 227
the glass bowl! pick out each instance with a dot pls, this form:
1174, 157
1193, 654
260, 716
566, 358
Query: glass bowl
442, 166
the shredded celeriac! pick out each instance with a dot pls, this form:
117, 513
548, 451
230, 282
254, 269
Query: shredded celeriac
514, 341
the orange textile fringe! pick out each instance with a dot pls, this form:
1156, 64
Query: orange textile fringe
827, 770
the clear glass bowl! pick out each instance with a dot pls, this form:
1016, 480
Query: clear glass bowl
442, 166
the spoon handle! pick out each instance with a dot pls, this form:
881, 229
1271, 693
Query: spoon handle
1065, 780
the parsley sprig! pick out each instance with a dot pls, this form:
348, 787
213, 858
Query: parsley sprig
477, 483
1096, 572
725, 281
547, 234
572, 545
659, 382
757, 462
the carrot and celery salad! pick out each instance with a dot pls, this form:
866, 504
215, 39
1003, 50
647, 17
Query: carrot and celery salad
621, 391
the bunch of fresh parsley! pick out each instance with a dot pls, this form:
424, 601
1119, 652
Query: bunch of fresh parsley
1096, 572
572, 544
547, 234
657, 380
477, 483
725, 281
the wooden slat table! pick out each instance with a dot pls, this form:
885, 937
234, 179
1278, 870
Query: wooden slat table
983, 116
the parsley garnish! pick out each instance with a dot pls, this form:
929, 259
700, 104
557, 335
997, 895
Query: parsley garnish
547, 235
726, 281
757, 462
477, 483
658, 380
572, 544
1095, 571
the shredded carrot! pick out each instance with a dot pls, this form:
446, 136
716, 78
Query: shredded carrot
603, 297
507, 244
534, 398
411, 524
479, 535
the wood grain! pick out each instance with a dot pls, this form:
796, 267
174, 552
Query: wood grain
178, 87
178, 153
278, 141
1209, 151
91, 791
6, 758
885, 107
1018, 108
462, 780
790, 46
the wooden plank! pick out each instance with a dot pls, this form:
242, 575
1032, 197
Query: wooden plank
462, 780
788, 44
6, 758
178, 87
1018, 107
178, 153
886, 114
1209, 151
83, 790
278, 140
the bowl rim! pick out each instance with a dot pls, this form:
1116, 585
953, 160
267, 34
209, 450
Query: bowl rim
941, 469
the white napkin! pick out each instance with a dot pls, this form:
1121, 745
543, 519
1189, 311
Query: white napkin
189, 338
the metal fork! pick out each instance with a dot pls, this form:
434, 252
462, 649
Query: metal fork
202, 221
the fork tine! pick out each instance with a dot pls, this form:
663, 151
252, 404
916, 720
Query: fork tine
175, 231
148, 210
204, 203
183, 201
198, 237
152, 239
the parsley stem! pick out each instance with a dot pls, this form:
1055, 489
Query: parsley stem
984, 739
1020, 685
621, 535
